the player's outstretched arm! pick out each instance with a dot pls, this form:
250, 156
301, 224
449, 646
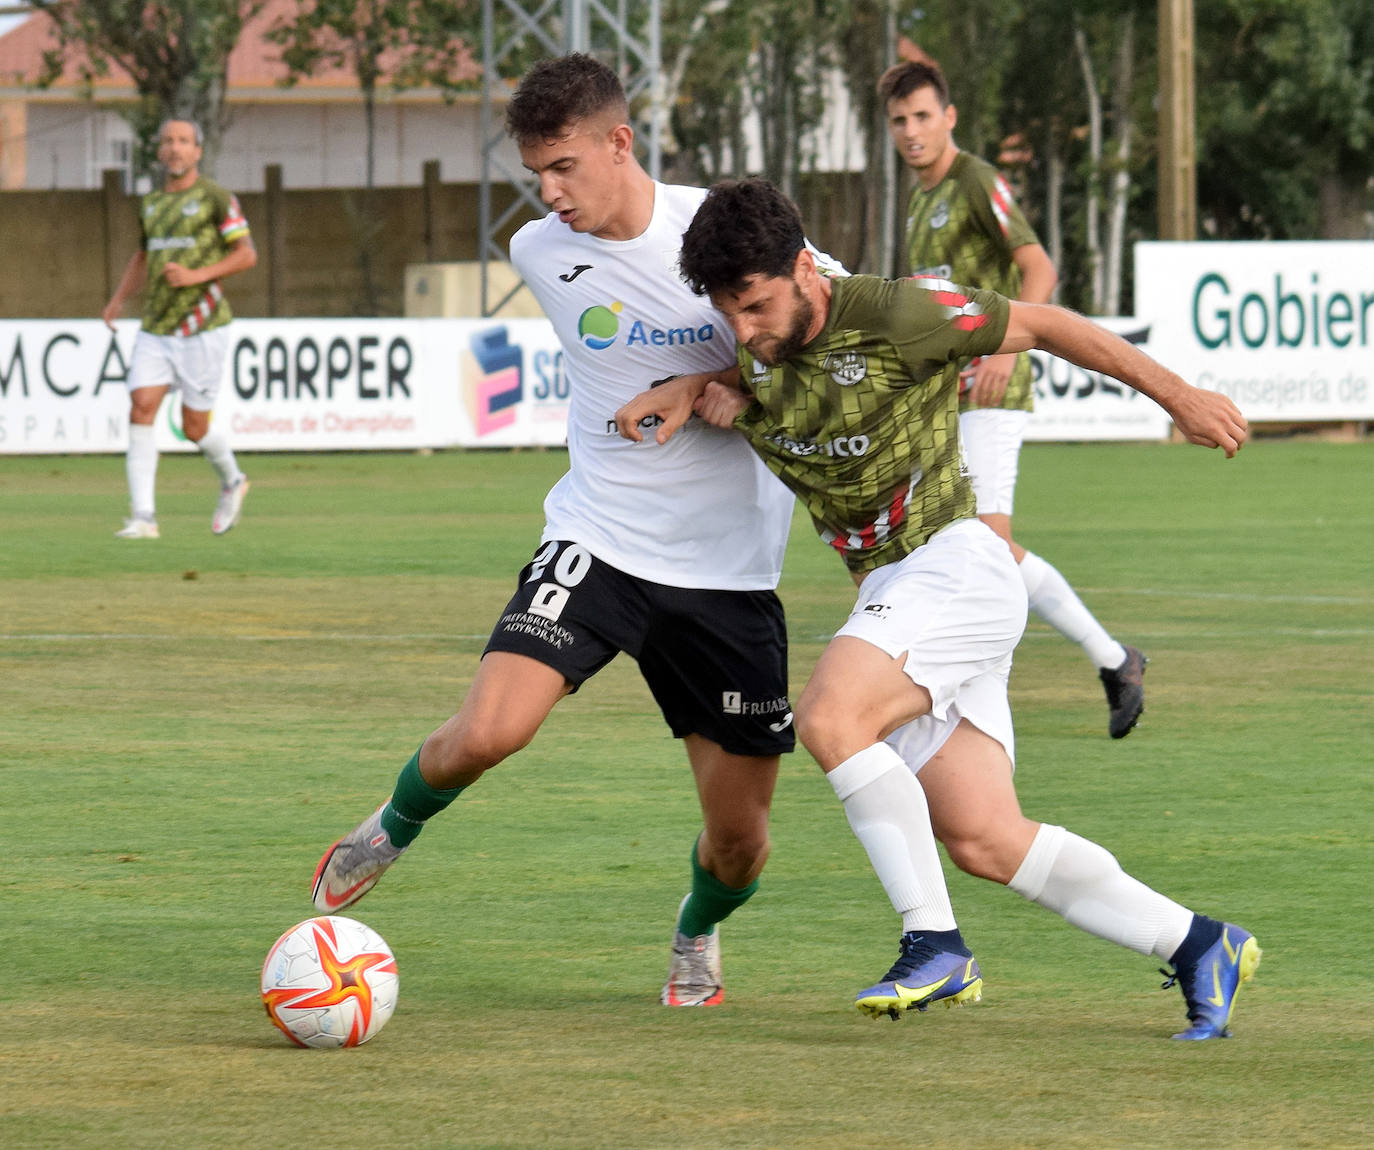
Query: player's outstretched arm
1206, 418
674, 402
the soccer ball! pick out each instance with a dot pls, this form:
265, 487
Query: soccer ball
329, 982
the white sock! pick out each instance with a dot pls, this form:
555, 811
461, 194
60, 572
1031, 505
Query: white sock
1050, 596
887, 810
140, 466
214, 445
1083, 882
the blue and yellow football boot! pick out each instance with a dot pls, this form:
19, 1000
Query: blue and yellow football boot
923, 974
1210, 986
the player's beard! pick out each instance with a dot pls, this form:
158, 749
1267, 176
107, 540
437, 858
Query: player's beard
787, 345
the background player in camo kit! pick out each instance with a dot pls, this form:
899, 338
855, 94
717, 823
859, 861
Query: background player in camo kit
194, 235
964, 227
848, 390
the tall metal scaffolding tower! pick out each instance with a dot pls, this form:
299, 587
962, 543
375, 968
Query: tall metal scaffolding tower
625, 34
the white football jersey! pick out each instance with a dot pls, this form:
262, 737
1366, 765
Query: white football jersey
699, 511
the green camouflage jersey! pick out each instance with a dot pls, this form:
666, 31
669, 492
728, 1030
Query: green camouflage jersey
964, 229
862, 423
193, 228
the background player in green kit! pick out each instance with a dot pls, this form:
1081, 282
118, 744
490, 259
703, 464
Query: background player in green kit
848, 390
964, 226
194, 235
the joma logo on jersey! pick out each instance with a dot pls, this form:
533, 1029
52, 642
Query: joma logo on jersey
940, 216
846, 367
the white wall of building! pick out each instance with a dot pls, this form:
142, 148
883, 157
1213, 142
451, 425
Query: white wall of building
316, 144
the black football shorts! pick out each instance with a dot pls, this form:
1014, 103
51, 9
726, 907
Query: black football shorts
715, 661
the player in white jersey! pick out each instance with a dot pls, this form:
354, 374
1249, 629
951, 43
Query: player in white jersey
625, 319
669, 553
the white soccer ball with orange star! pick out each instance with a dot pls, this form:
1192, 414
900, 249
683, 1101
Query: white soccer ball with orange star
329, 982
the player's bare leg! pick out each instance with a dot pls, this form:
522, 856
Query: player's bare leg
508, 701
735, 792
973, 805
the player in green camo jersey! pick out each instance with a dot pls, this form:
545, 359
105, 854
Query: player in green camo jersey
869, 401
842, 377
192, 227
964, 226
194, 235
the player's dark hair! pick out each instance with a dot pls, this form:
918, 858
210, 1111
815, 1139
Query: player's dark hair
909, 76
742, 228
562, 91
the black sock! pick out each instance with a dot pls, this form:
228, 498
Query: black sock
950, 940
1203, 933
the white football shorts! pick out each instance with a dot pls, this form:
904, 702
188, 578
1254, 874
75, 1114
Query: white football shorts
991, 439
191, 364
956, 608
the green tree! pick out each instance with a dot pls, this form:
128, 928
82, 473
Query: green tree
770, 58
177, 53
1286, 120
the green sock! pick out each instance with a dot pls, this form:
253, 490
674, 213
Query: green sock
710, 901
412, 802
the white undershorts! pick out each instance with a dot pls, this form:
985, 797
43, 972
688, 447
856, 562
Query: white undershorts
191, 364
991, 438
956, 608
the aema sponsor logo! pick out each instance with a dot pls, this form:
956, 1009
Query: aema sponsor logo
599, 326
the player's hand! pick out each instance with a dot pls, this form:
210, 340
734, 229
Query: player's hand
179, 276
669, 404
110, 312
720, 404
990, 380
1210, 419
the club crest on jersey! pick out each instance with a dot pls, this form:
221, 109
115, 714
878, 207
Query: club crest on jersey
846, 367
190, 209
940, 216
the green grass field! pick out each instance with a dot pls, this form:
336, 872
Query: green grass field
185, 725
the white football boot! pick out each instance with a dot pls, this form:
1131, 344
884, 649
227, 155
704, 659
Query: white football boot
138, 529
694, 969
352, 866
230, 505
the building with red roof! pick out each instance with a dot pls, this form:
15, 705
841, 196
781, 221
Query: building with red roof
57, 137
